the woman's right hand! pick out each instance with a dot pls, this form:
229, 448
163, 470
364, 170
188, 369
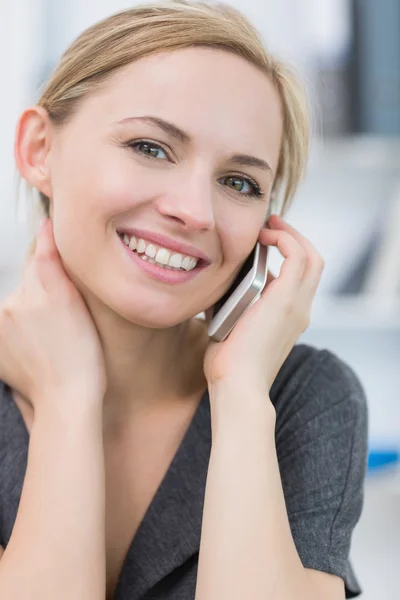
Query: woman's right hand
48, 341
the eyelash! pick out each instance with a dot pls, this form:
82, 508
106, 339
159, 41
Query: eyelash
258, 193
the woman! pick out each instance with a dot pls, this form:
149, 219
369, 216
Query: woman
138, 458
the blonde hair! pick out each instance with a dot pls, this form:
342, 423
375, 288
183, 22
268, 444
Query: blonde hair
169, 25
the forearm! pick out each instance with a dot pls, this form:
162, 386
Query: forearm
246, 550
57, 547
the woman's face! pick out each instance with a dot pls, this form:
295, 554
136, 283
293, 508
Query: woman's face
185, 187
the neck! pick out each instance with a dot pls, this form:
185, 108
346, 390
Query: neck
148, 370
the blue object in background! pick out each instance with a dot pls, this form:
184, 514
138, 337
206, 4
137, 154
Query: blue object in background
379, 459
377, 66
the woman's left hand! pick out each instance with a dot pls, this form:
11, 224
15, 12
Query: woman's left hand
263, 337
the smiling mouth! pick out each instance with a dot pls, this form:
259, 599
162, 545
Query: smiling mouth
161, 257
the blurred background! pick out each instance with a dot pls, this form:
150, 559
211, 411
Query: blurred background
348, 53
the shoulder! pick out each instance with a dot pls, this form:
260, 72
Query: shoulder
312, 380
321, 426
322, 448
321, 413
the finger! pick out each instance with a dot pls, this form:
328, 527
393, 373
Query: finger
30, 259
313, 273
293, 268
45, 266
315, 261
45, 245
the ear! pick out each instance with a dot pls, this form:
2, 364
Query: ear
31, 148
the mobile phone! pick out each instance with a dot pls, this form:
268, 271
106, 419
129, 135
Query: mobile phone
243, 293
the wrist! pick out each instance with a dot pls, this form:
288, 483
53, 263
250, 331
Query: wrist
239, 405
68, 406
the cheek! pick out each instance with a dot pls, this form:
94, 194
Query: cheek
239, 237
88, 192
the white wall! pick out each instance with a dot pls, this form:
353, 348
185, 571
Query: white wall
21, 46
21, 38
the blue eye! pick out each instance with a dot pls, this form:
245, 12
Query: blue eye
148, 148
256, 190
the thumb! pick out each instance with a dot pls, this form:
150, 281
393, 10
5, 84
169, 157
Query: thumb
46, 260
45, 244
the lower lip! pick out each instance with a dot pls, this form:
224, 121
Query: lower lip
159, 273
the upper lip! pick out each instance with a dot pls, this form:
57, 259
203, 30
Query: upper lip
165, 242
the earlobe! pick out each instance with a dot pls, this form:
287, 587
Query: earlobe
31, 148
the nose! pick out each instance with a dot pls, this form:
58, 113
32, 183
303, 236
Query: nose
190, 203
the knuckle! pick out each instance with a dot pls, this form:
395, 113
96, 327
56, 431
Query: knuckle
7, 313
286, 238
303, 258
296, 316
288, 306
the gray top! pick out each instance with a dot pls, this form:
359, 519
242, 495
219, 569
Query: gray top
321, 440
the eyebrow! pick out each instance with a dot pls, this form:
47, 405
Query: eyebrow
184, 138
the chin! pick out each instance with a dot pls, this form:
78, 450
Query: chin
141, 312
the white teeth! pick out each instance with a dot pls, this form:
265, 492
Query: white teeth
187, 263
151, 250
161, 256
141, 246
175, 261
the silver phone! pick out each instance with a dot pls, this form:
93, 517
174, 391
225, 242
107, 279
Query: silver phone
243, 293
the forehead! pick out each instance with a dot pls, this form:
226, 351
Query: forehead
205, 91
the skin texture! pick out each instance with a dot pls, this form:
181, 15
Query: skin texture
96, 184
154, 358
